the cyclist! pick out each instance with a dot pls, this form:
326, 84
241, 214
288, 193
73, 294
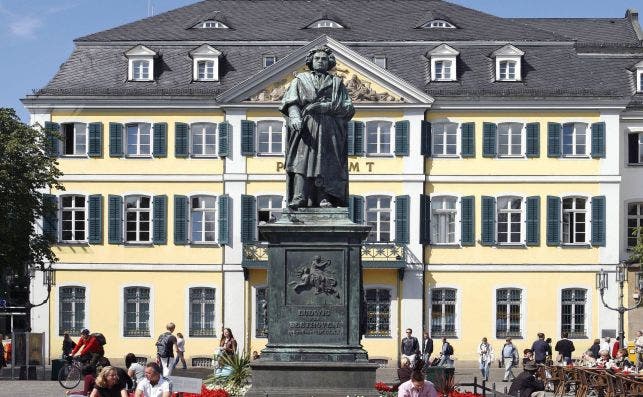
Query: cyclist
92, 350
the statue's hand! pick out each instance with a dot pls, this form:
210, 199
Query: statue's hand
318, 107
295, 123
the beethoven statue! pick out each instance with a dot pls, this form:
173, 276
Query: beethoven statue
317, 109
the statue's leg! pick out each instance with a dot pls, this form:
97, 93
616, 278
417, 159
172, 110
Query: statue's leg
299, 198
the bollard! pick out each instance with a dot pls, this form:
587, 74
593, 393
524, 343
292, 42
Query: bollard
475, 385
494, 389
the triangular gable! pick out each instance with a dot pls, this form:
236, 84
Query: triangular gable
365, 81
443, 50
508, 50
205, 50
140, 50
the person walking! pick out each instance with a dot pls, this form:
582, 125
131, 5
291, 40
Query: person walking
539, 347
526, 384
445, 354
180, 350
595, 348
427, 347
565, 347
509, 359
638, 345
165, 347
485, 358
410, 346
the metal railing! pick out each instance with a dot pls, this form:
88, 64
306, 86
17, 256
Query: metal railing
371, 252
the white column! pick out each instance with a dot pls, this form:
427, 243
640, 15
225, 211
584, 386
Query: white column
234, 309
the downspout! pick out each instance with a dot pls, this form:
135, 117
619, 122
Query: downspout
399, 319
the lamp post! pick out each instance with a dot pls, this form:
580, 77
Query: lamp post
621, 278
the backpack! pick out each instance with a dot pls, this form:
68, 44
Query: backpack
100, 338
163, 347
449, 350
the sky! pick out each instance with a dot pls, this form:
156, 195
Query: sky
36, 36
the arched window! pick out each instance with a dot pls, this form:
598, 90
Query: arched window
443, 315
508, 314
71, 317
378, 311
573, 313
136, 311
202, 311
325, 23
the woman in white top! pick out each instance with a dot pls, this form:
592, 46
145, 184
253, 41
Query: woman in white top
180, 347
485, 354
135, 370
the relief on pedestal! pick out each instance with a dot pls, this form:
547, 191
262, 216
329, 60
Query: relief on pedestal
314, 281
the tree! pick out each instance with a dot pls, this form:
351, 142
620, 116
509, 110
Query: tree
636, 255
26, 175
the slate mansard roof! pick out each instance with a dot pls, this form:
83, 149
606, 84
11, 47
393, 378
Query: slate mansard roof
563, 57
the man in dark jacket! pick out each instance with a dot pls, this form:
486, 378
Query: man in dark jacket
565, 347
526, 384
427, 347
410, 346
539, 348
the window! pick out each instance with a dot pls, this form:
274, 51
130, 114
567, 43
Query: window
438, 24
212, 24
137, 311
508, 63
508, 312
261, 312
443, 62
635, 148
574, 220
378, 216
73, 218
72, 310
443, 213
442, 70
380, 61
139, 137
378, 312
507, 70
204, 137
203, 219
205, 63
268, 209
510, 139
202, 312
509, 221
205, 70
378, 137
573, 312
74, 137
140, 60
269, 60
138, 210
325, 23
445, 139
443, 312
574, 139
141, 70
639, 77
634, 220
270, 137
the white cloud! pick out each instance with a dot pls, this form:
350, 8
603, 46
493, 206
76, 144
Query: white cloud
25, 27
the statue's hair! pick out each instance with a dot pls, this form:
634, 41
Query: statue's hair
331, 57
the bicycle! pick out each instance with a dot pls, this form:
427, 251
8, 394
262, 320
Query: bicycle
69, 375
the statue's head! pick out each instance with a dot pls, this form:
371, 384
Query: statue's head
321, 59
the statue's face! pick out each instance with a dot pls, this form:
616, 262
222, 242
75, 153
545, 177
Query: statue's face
320, 61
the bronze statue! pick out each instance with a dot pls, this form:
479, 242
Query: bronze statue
317, 109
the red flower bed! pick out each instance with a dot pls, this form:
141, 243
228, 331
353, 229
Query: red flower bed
208, 393
382, 387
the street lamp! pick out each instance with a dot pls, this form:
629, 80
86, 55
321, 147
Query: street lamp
621, 278
48, 280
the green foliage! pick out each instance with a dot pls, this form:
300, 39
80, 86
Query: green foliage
637, 251
236, 382
26, 174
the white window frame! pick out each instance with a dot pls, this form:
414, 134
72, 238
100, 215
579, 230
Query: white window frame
639, 77
150, 311
390, 312
74, 210
268, 60
203, 211
506, 333
205, 70
456, 218
639, 161
637, 218
444, 76
138, 144
271, 134
575, 135
378, 210
202, 302
379, 133
504, 70
193, 153
136, 54
325, 23
586, 312
587, 211
212, 24
435, 126
73, 311
509, 212
138, 210
380, 60
456, 318
438, 24
79, 129
272, 200
511, 126
205, 53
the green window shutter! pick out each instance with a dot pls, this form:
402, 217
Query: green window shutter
224, 139
159, 220
533, 140
402, 129
533, 220
489, 133
159, 148
488, 220
359, 138
181, 140
224, 219
356, 209
52, 137
248, 128
553, 140
115, 219
50, 217
181, 216
115, 140
425, 219
95, 147
467, 219
95, 218
598, 221
248, 218
402, 208
598, 140
468, 136
350, 138
426, 138
553, 220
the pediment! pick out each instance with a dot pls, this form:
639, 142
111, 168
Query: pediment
639, 65
443, 50
366, 82
508, 50
205, 50
140, 50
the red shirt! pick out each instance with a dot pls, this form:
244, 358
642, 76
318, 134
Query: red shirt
615, 349
91, 346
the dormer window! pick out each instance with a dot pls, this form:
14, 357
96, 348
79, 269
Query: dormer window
269, 60
443, 63
206, 63
325, 23
438, 24
508, 61
639, 77
212, 24
140, 63
380, 61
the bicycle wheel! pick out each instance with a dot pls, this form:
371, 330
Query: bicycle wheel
69, 376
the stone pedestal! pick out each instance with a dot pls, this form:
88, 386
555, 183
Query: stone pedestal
314, 308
